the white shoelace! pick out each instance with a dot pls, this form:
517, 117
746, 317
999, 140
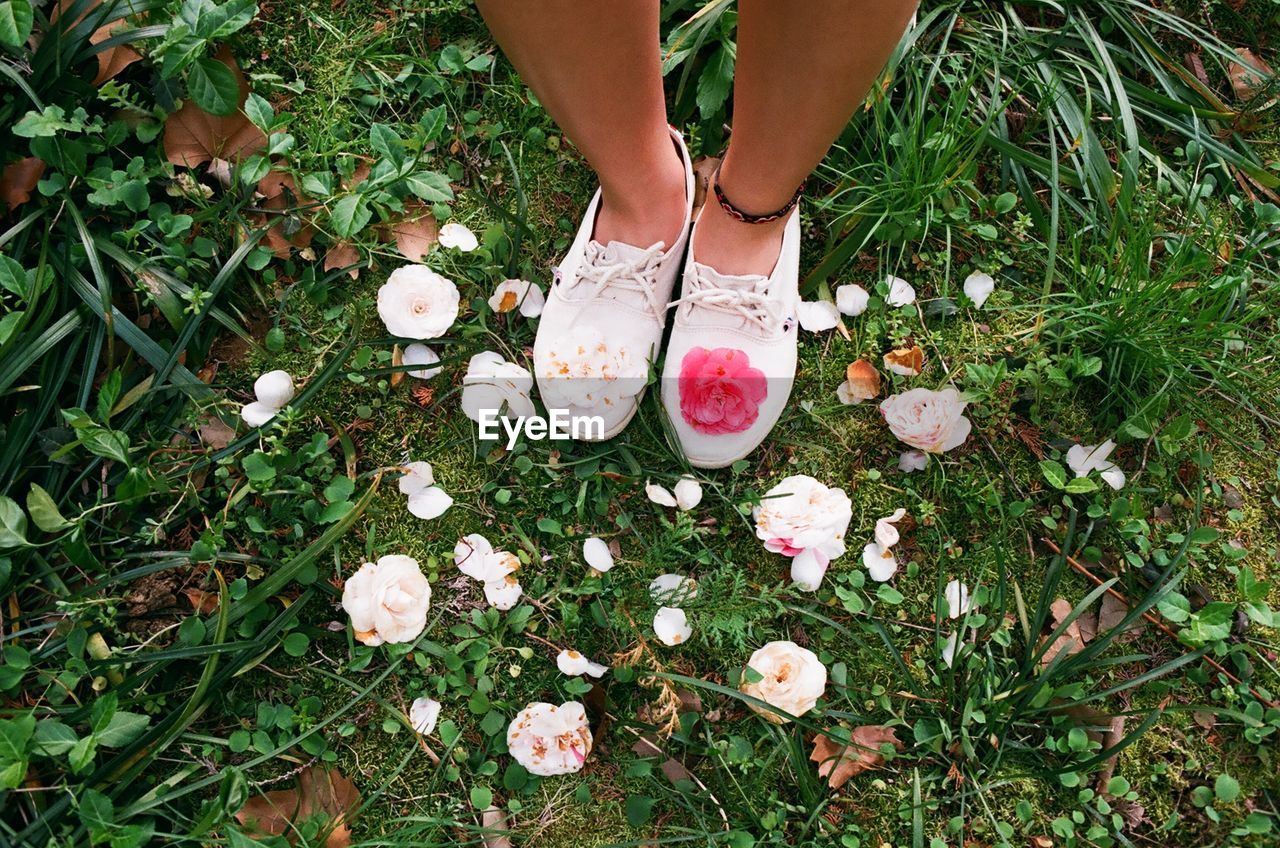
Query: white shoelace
636, 274
752, 305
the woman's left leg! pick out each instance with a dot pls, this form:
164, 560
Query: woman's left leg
803, 68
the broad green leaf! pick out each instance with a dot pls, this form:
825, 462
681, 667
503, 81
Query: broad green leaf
716, 81
1080, 485
9, 324
123, 728
12, 276
44, 512
16, 19
349, 215
13, 525
1054, 473
387, 144
259, 111
53, 738
213, 87
430, 186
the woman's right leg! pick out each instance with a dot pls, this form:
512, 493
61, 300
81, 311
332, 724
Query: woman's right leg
596, 70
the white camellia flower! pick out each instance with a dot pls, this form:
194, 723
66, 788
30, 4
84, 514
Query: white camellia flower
671, 626
518, 294
423, 714
802, 516
957, 598
273, 391
426, 500
549, 740
660, 495
852, 299
817, 315
387, 600
417, 303
978, 287
792, 679
688, 493
1085, 459
420, 354
881, 563
504, 592
669, 589
886, 531
913, 460
900, 292
457, 235
932, 421
572, 663
596, 553
491, 381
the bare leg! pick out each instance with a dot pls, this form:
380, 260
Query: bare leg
595, 67
803, 67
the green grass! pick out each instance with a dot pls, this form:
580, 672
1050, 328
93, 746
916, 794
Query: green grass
1075, 280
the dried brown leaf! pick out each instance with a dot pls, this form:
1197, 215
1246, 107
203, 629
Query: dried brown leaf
494, 823
342, 254
907, 361
704, 168
280, 193
18, 180
416, 232
1070, 640
1249, 75
319, 791
838, 762
192, 136
215, 433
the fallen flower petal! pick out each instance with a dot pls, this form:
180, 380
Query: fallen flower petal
423, 714
852, 299
957, 597
257, 414
913, 460
420, 354
817, 315
457, 235
881, 564
900, 292
274, 389
597, 554
978, 287
688, 493
672, 589
573, 664
660, 495
671, 626
503, 593
886, 532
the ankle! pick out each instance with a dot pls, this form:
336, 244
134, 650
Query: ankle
736, 248
645, 209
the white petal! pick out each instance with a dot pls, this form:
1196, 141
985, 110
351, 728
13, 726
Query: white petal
470, 552
881, 564
949, 648
429, 503
671, 626
456, 235
845, 393
660, 495
274, 388
597, 555
503, 594
668, 589
1113, 477
957, 597
900, 292
852, 299
420, 354
1085, 459
688, 493
807, 569
417, 476
978, 287
886, 532
423, 714
534, 301
817, 315
257, 414
572, 663
913, 460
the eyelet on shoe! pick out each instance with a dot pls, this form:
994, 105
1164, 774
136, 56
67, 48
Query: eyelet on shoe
555, 277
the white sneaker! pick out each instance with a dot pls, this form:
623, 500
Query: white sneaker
731, 359
604, 318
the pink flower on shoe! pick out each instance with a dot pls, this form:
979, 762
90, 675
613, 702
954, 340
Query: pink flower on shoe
719, 390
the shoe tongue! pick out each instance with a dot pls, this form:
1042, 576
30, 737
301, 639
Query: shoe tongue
711, 278
613, 252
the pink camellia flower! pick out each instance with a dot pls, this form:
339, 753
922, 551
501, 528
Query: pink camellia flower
932, 421
719, 390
